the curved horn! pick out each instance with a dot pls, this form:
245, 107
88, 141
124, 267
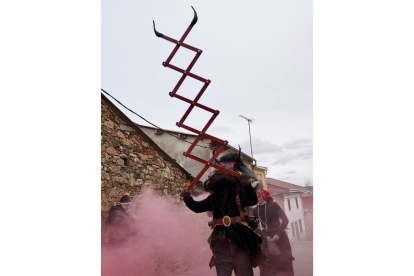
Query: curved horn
155, 31
214, 151
195, 18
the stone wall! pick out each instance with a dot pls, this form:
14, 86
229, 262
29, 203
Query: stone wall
129, 164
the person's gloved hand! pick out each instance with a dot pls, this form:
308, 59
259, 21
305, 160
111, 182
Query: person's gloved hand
185, 195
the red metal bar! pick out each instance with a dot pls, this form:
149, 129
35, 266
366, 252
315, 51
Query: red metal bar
201, 91
178, 85
170, 39
184, 72
186, 114
172, 54
174, 68
203, 134
217, 153
185, 34
193, 62
193, 103
190, 108
197, 77
188, 128
196, 104
225, 170
211, 164
206, 167
191, 48
209, 123
197, 178
190, 149
182, 44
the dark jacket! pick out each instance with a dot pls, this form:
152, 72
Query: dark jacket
271, 214
223, 203
121, 225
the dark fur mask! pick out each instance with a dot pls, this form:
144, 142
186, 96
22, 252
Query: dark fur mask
219, 181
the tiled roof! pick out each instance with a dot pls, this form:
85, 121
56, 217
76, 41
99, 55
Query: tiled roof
272, 189
281, 184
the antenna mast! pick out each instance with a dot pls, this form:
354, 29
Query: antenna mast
249, 121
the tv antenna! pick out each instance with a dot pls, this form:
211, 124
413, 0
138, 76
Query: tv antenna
249, 121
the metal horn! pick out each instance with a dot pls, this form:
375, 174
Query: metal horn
195, 18
155, 31
214, 151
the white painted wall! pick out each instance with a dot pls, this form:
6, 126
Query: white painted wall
175, 148
294, 215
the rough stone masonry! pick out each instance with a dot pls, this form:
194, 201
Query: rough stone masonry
129, 164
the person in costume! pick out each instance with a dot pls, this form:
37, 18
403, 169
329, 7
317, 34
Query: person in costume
120, 223
234, 244
279, 257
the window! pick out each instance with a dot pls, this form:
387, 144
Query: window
289, 204
297, 204
293, 229
300, 225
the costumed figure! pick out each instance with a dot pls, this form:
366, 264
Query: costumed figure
120, 223
234, 244
276, 245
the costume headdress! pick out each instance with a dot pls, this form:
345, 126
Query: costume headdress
265, 194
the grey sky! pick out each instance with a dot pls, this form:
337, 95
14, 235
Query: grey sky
257, 54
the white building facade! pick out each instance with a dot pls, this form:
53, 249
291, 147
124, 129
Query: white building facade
294, 211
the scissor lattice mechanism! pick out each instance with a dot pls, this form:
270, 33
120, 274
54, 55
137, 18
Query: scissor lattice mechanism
193, 103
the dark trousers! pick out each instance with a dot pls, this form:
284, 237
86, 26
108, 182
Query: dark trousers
228, 256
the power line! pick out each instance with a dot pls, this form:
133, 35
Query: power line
152, 123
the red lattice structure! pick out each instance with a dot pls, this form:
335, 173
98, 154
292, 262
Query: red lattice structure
194, 103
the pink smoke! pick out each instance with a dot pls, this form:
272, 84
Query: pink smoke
171, 240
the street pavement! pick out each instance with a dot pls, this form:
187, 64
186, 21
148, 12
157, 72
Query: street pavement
303, 263
303, 253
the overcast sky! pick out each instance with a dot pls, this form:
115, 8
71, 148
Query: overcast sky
257, 54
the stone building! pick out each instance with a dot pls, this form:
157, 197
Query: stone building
131, 161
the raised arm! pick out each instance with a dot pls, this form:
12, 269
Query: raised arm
199, 206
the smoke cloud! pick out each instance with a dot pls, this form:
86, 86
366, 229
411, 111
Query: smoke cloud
170, 240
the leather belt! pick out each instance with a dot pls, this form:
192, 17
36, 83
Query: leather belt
226, 220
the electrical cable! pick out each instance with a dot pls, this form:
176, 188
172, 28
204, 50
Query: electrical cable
152, 123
